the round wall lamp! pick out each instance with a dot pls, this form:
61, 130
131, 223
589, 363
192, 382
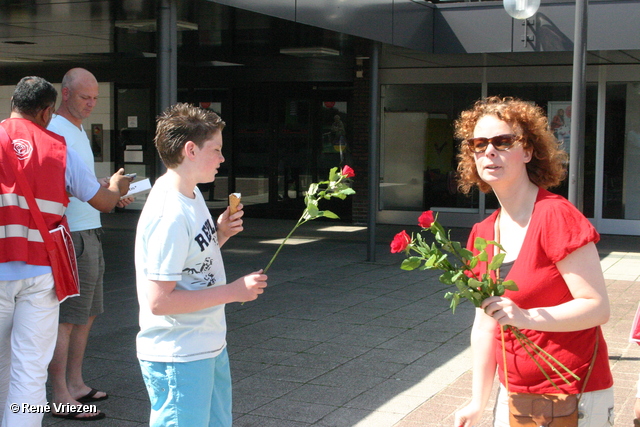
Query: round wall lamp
521, 9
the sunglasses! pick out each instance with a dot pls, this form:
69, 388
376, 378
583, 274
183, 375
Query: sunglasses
500, 143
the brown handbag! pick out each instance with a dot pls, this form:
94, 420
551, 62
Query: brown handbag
533, 410
552, 410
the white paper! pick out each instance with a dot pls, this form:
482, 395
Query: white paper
138, 187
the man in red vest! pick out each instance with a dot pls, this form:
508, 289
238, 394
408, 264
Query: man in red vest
28, 302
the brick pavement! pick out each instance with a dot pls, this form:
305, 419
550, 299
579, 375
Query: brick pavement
336, 341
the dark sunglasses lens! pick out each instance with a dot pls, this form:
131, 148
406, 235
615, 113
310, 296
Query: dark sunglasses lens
479, 144
502, 142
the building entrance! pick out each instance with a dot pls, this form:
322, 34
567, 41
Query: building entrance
277, 141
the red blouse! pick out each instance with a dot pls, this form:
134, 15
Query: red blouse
556, 229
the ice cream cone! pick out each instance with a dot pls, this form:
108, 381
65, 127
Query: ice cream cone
234, 201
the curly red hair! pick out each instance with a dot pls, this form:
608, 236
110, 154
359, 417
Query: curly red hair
547, 167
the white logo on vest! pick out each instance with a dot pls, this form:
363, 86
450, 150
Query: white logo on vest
23, 148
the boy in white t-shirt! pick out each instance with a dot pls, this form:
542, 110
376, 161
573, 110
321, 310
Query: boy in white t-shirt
181, 282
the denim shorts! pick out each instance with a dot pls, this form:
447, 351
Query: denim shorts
188, 394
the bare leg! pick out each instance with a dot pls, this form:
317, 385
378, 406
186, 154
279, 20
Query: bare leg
77, 346
58, 368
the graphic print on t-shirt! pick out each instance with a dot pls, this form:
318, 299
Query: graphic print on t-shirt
208, 234
203, 271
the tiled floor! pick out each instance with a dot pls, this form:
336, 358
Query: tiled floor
336, 341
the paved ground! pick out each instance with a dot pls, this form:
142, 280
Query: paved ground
335, 340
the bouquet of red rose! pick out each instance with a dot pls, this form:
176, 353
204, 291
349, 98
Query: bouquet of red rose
459, 272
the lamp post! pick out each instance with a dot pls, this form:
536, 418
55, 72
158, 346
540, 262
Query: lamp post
578, 107
524, 9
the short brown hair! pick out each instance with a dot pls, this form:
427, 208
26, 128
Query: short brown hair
181, 123
547, 167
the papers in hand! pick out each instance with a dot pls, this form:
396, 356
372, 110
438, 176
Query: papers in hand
138, 188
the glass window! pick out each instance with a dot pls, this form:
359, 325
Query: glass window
621, 198
555, 99
418, 151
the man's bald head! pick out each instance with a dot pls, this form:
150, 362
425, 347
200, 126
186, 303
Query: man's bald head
79, 95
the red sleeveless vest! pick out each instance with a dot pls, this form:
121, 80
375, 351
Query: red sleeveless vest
43, 155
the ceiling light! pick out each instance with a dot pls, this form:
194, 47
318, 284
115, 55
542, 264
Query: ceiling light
306, 52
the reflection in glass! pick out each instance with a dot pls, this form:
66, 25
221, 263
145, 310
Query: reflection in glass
621, 200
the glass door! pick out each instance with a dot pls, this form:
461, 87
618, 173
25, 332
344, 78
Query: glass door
251, 150
283, 139
620, 200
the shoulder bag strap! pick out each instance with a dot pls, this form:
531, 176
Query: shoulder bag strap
593, 362
26, 189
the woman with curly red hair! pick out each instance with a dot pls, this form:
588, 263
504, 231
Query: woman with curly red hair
507, 148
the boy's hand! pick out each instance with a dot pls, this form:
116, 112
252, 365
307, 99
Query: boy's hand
229, 225
250, 286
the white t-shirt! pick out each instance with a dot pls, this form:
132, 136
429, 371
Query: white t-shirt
176, 240
80, 215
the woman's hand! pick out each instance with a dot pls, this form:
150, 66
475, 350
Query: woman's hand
468, 416
506, 312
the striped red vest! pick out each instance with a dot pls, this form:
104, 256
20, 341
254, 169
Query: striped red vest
43, 155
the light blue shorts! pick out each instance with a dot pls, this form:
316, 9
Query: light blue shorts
187, 394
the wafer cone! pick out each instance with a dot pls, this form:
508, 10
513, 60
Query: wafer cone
234, 201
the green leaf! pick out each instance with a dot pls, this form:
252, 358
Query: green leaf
329, 214
475, 284
458, 276
447, 278
431, 261
496, 262
457, 247
473, 263
492, 242
480, 244
510, 285
466, 254
411, 263
313, 189
483, 256
333, 174
442, 259
313, 210
437, 228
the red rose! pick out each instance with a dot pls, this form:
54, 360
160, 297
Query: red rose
426, 219
348, 172
400, 242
